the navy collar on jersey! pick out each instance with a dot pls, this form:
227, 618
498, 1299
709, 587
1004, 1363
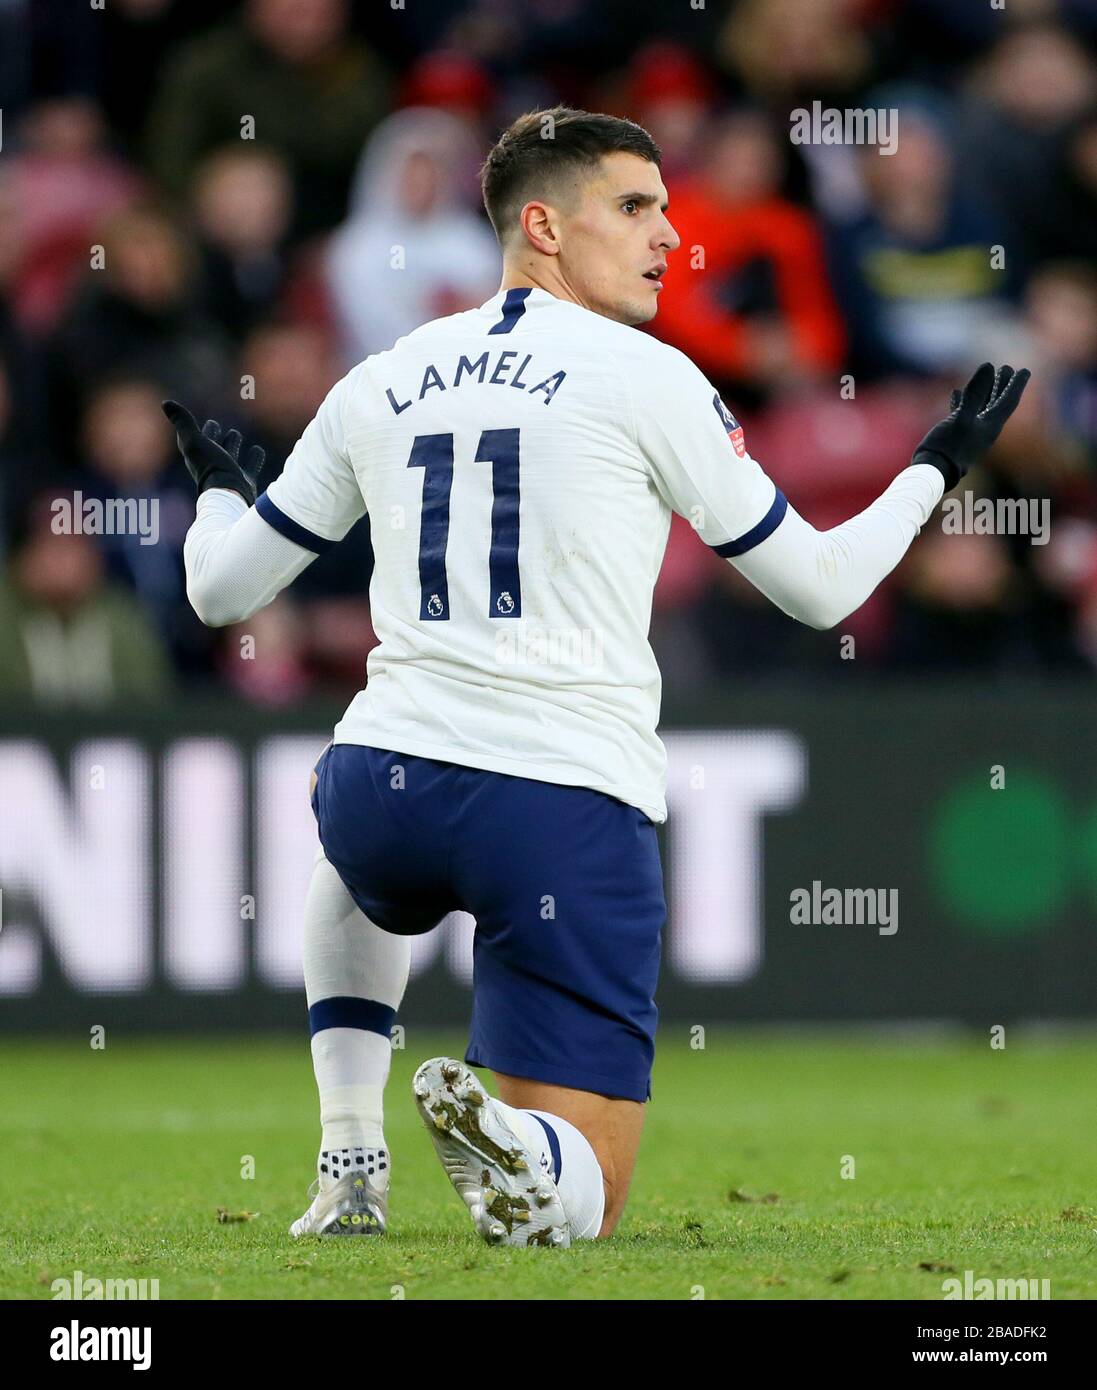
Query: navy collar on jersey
514, 306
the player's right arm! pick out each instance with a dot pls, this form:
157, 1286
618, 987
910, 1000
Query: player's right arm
700, 466
242, 550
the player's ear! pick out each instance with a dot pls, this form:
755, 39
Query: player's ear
538, 225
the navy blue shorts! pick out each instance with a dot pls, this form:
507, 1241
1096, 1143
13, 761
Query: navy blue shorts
566, 887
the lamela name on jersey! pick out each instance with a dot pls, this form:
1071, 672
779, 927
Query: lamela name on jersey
489, 369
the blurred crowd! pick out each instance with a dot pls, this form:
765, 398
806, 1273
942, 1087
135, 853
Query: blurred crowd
232, 203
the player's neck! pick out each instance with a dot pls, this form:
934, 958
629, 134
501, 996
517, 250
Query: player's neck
518, 279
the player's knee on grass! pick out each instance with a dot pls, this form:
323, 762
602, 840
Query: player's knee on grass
616, 1164
616, 1178
610, 1126
616, 1197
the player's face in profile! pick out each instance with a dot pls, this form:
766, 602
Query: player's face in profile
617, 239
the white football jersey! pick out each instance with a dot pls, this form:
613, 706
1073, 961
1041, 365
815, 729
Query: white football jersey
519, 463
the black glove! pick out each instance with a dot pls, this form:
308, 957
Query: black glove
211, 461
978, 413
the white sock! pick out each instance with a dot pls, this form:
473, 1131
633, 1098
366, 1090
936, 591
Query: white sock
351, 1067
355, 975
566, 1154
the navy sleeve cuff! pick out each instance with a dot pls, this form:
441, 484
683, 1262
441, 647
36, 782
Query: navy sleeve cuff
292, 530
757, 534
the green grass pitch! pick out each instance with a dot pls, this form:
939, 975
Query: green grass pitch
115, 1163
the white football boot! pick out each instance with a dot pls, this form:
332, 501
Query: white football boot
512, 1199
352, 1206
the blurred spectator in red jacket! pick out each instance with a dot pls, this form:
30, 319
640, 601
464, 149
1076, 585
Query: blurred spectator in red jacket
747, 296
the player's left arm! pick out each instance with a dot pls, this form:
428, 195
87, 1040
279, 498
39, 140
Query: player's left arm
817, 577
243, 549
821, 577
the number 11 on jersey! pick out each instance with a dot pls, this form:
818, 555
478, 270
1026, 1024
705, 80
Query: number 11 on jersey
433, 453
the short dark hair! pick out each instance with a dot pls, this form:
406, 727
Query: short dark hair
542, 147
